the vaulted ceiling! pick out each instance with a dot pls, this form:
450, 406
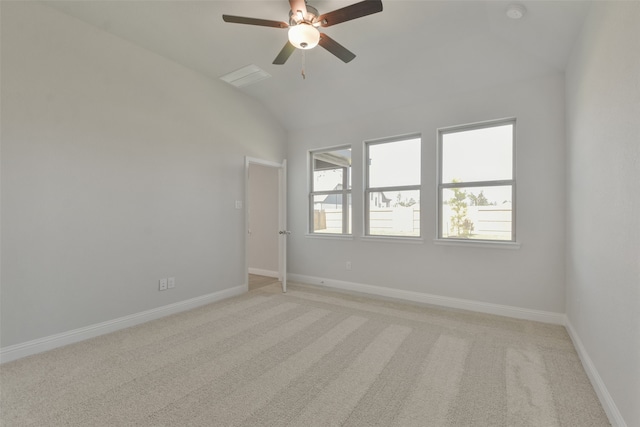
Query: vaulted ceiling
413, 51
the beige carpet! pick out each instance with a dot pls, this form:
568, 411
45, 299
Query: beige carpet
256, 281
310, 357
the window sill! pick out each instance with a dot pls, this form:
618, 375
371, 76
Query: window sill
478, 243
330, 236
393, 239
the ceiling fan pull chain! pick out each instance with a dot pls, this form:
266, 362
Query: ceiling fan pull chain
304, 76
304, 23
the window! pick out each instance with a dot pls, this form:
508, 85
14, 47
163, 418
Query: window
330, 196
392, 188
476, 186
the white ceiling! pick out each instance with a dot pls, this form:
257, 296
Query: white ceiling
412, 50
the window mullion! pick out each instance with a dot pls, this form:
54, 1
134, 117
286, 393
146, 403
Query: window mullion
477, 184
328, 190
398, 188
391, 210
477, 207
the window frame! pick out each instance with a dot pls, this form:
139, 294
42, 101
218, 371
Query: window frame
345, 192
368, 190
475, 184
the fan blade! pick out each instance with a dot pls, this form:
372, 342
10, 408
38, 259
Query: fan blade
298, 5
357, 10
284, 54
336, 48
254, 21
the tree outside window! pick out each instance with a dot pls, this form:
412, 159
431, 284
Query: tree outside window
476, 185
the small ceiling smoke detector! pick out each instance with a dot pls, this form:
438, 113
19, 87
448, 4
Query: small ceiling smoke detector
516, 11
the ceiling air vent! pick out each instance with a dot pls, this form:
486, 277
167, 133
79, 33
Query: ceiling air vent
245, 76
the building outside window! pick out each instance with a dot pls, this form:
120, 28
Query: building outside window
392, 187
476, 188
330, 195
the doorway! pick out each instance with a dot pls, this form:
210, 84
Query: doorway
265, 246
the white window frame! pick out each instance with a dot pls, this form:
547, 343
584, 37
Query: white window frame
345, 192
471, 184
368, 189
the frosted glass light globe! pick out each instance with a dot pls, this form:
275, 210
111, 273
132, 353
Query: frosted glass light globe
304, 36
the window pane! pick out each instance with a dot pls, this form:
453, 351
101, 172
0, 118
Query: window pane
328, 213
394, 213
481, 213
332, 170
394, 163
484, 154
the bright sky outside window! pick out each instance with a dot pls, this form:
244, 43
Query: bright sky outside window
330, 197
477, 185
392, 194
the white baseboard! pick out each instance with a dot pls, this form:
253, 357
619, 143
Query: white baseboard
261, 272
463, 304
40, 345
605, 398
615, 417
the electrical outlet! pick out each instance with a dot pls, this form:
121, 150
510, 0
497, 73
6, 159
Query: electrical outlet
348, 265
163, 284
171, 282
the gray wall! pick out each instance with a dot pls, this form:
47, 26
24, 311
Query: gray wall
531, 277
119, 168
603, 217
262, 252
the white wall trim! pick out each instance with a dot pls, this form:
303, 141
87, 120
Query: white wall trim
615, 417
459, 303
40, 345
261, 272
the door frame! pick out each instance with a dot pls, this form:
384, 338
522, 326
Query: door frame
282, 216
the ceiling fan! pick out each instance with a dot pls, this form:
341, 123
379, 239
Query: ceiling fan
304, 21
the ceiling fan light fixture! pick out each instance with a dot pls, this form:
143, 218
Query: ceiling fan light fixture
303, 24
304, 36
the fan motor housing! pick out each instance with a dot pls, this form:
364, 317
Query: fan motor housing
311, 16
304, 32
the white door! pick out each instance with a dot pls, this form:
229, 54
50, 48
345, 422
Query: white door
282, 231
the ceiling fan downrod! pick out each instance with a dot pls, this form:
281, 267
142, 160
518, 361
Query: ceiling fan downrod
304, 23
